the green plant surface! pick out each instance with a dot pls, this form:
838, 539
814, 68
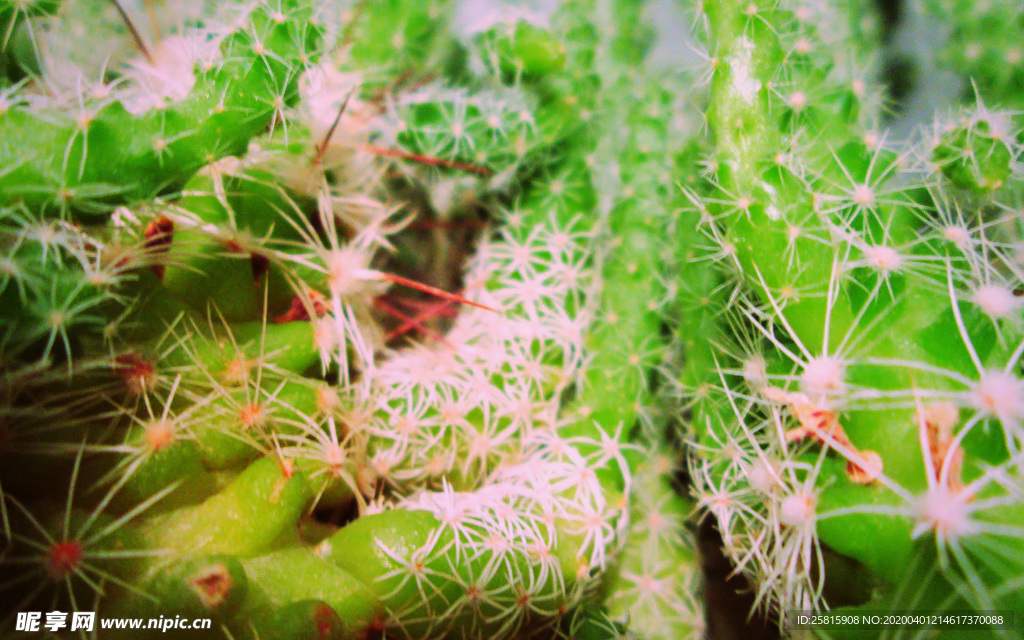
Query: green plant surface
865, 396
437, 319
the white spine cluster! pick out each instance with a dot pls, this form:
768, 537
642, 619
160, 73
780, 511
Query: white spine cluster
465, 406
527, 545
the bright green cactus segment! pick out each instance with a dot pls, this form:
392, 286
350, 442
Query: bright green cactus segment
655, 589
48, 305
977, 154
524, 50
394, 36
868, 389
480, 131
297, 575
200, 96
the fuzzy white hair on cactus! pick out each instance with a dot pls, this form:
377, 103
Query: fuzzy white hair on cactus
883, 258
798, 101
323, 91
168, 75
763, 476
823, 376
755, 371
945, 512
339, 123
348, 272
863, 195
958, 234
744, 83
798, 509
999, 394
996, 301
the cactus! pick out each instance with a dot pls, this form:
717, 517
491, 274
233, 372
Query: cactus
212, 278
863, 405
400, 319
